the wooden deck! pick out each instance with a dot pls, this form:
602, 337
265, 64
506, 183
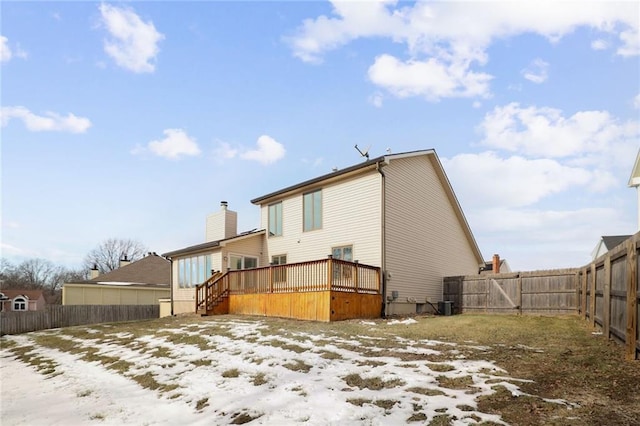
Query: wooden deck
320, 290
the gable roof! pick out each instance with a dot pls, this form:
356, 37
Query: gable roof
634, 180
12, 293
611, 241
213, 244
151, 269
374, 164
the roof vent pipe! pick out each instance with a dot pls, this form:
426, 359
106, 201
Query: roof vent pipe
224, 205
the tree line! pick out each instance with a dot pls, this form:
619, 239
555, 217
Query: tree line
42, 274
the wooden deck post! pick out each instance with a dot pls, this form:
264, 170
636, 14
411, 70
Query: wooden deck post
329, 271
355, 276
632, 300
606, 297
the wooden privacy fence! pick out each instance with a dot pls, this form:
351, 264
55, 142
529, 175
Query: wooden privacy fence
609, 296
56, 316
536, 292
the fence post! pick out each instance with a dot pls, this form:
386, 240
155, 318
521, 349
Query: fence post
583, 299
606, 297
592, 308
632, 304
519, 290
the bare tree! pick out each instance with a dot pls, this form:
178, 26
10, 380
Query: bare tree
39, 273
106, 257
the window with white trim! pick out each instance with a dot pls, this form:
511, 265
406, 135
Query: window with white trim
280, 274
275, 219
342, 253
312, 210
237, 262
19, 303
193, 270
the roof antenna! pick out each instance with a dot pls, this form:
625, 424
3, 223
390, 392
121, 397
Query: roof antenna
365, 153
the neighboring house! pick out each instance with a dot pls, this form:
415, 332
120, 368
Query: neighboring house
606, 243
143, 282
397, 212
22, 300
634, 181
495, 266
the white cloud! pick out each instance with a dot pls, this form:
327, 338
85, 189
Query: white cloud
636, 101
50, 122
313, 162
447, 39
134, 43
537, 71
21, 53
267, 151
225, 151
599, 44
545, 132
487, 180
175, 144
5, 50
432, 78
630, 41
376, 100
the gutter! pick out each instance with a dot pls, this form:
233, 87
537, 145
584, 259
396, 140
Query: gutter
383, 238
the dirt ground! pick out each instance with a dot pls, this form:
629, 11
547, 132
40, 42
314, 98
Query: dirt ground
563, 357
557, 370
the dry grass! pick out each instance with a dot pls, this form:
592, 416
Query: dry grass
559, 355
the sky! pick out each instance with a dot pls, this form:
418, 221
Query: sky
135, 119
77, 387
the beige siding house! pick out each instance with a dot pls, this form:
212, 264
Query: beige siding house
144, 282
397, 212
224, 249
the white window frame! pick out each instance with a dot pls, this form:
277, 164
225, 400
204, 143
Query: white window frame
242, 258
274, 213
194, 270
310, 224
20, 303
280, 274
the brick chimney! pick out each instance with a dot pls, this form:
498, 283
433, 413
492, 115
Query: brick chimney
496, 264
221, 224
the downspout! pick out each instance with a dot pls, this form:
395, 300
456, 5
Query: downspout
171, 282
383, 240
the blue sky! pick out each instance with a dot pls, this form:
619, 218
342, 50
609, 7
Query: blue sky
135, 119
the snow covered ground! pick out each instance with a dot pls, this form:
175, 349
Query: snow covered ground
236, 370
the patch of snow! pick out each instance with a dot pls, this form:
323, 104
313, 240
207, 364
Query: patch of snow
278, 379
405, 321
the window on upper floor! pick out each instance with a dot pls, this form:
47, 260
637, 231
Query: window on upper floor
312, 210
275, 219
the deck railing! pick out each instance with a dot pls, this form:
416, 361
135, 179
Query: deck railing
316, 275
